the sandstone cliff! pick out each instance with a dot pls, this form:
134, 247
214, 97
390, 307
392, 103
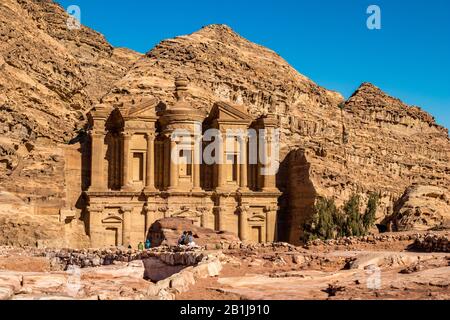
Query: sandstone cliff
370, 143
373, 143
51, 76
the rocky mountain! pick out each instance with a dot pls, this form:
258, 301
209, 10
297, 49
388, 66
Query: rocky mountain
51, 76
373, 143
330, 147
220, 64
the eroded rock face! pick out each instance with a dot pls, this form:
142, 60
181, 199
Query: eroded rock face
374, 143
422, 208
51, 76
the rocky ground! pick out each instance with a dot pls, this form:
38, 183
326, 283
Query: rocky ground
389, 266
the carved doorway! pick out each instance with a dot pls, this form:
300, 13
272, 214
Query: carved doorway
256, 235
112, 237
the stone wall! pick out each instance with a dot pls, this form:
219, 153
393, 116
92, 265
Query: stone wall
432, 243
118, 274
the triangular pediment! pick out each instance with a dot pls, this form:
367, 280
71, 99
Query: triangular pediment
146, 108
257, 218
112, 219
227, 112
187, 214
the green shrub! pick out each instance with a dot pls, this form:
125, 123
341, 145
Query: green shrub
353, 216
323, 223
371, 210
329, 222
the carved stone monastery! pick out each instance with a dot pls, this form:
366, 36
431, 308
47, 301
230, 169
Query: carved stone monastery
134, 181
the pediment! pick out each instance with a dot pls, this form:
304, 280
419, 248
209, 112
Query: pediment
187, 214
112, 219
146, 108
257, 218
226, 112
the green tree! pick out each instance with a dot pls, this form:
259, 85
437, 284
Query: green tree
371, 210
321, 225
329, 222
354, 220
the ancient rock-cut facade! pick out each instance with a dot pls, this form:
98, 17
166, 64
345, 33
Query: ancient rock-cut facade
140, 172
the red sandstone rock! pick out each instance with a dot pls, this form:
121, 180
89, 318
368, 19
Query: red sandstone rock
171, 230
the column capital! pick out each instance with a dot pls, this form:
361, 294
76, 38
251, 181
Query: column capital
98, 133
150, 135
151, 208
270, 208
126, 209
95, 208
243, 209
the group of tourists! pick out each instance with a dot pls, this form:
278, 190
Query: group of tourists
186, 239
147, 245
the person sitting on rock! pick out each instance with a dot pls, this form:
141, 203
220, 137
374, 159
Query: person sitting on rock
140, 246
190, 239
148, 244
183, 238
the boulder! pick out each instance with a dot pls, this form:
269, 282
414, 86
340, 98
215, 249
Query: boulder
44, 282
11, 280
422, 208
181, 282
170, 230
134, 269
6, 293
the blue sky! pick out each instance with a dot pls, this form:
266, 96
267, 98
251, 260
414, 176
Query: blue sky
326, 40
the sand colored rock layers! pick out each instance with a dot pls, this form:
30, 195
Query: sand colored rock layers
50, 77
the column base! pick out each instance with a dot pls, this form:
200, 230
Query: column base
96, 189
225, 189
244, 189
150, 189
127, 187
175, 189
273, 189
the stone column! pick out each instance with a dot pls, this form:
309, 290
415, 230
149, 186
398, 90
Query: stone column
243, 223
196, 159
98, 180
150, 173
271, 223
126, 161
220, 218
95, 226
203, 220
221, 166
126, 225
114, 174
269, 180
243, 165
166, 164
173, 166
